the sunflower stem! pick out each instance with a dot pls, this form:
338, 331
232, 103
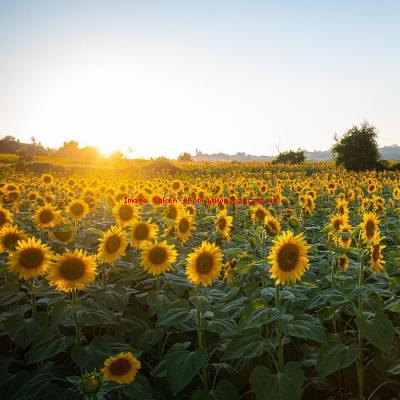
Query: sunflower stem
360, 360
281, 360
77, 327
33, 298
119, 391
201, 344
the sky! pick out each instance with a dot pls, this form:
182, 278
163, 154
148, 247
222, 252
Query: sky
165, 77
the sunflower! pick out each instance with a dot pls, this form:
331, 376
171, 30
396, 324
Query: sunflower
31, 258
63, 235
183, 226
77, 209
46, 217
125, 214
121, 368
337, 221
343, 262
156, 258
47, 179
112, 245
223, 224
289, 258
259, 214
376, 261
344, 241
190, 209
9, 236
143, 232
72, 270
369, 227
5, 217
273, 225
172, 211
228, 270
204, 264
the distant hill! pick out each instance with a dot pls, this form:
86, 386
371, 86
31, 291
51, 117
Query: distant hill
386, 152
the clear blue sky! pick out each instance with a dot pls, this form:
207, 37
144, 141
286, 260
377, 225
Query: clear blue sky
173, 76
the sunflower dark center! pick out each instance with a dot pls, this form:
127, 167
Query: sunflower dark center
31, 258
272, 226
370, 228
184, 225
260, 215
158, 255
175, 185
10, 240
288, 256
125, 213
172, 213
120, 367
222, 223
46, 216
141, 232
204, 263
77, 209
113, 244
375, 252
72, 268
336, 224
342, 262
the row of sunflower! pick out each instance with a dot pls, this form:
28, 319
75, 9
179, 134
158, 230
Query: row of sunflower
220, 300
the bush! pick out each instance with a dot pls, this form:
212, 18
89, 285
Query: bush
358, 150
290, 157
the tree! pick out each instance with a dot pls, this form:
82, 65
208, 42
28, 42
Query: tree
357, 150
290, 157
185, 157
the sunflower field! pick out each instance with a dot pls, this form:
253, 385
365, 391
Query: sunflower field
213, 298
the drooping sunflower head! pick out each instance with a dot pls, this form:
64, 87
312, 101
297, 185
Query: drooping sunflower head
369, 227
5, 217
158, 257
190, 209
112, 245
344, 236
273, 226
204, 264
121, 368
9, 236
125, 214
30, 259
288, 258
184, 226
143, 232
223, 224
72, 270
63, 235
259, 214
343, 262
337, 221
376, 261
46, 217
77, 209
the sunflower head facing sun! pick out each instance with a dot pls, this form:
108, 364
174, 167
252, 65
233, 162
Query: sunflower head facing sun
72, 270
30, 259
125, 214
9, 236
77, 209
223, 224
204, 264
121, 368
5, 217
259, 214
142, 233
158, 257
112, 245
46, 217
184, 226
369, 227
288, 258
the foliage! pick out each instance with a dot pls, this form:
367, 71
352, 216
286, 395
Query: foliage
357, 150
290, 157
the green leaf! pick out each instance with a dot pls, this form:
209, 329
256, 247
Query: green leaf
395, 370
378, 329
225, 391
222, 327
245, 347
182, 365
306, 327
173, 316
23, 331
335, 355
113, 296
285, 385
202, 303
49, 346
